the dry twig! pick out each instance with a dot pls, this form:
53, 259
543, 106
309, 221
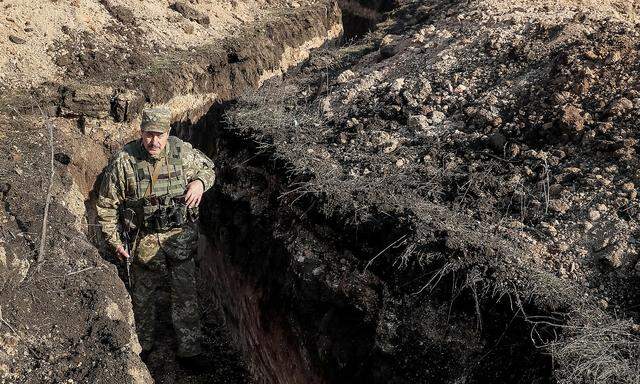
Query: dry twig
45, 219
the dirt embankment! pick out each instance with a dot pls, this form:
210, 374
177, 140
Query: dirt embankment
86, 70
451, 199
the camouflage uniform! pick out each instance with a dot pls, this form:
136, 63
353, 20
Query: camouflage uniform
157, 254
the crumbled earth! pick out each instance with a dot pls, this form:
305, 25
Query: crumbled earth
486, 145
54, 41
74, 76
451, 198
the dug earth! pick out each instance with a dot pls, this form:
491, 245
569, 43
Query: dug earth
407, 192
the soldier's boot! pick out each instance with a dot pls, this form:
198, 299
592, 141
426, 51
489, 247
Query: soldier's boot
184, 308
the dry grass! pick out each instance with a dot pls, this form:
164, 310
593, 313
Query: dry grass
599, 354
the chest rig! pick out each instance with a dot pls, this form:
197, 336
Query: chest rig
159, 186
169, 175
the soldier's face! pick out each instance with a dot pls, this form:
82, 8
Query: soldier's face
154, 142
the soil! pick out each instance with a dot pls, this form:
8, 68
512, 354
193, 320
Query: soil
464, 154
449, 195
69, 318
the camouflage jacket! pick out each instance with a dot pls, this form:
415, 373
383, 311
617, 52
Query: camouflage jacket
124, 180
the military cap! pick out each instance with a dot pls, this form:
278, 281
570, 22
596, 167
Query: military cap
156, 120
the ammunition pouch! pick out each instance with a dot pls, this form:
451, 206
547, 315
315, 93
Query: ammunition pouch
158, 213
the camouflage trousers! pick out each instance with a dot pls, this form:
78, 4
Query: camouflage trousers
167, 259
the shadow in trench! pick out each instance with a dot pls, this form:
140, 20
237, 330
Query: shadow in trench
225, 363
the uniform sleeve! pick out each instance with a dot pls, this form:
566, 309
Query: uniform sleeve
110, 196
197, 166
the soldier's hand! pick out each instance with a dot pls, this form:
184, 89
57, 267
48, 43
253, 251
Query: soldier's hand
122, 253
192, 197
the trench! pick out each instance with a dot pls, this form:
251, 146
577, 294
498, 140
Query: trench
285, 298
267, 260
360, 17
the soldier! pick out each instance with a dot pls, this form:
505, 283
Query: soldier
153, 187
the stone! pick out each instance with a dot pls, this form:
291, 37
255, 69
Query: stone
418, 122
628, 187
187, 28
549, 229
613, 57
594, 215
389, 46
422, 89
16, 40
437, 117
558, 206
190, 13
572, 119
604, 304
397, 85
345, 76
620, 107
3, 257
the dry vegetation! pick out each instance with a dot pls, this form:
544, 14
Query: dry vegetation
495, 144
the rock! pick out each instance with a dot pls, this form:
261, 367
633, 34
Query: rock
563, 97
604, 304
587, 225
582, 88
594, 215
190, 13
16, 40
483, 116
628, 187
562, 272
418, 122
187, 28
422, 89
613, 57
610, 242
389, 46
397, 85
437, 117
572, 119
62, 158
620, 107
558, 206
345, 76
460, 89
591, 55
614, 258
549, 229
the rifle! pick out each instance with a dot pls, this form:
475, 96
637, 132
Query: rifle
126, 217
125, 237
